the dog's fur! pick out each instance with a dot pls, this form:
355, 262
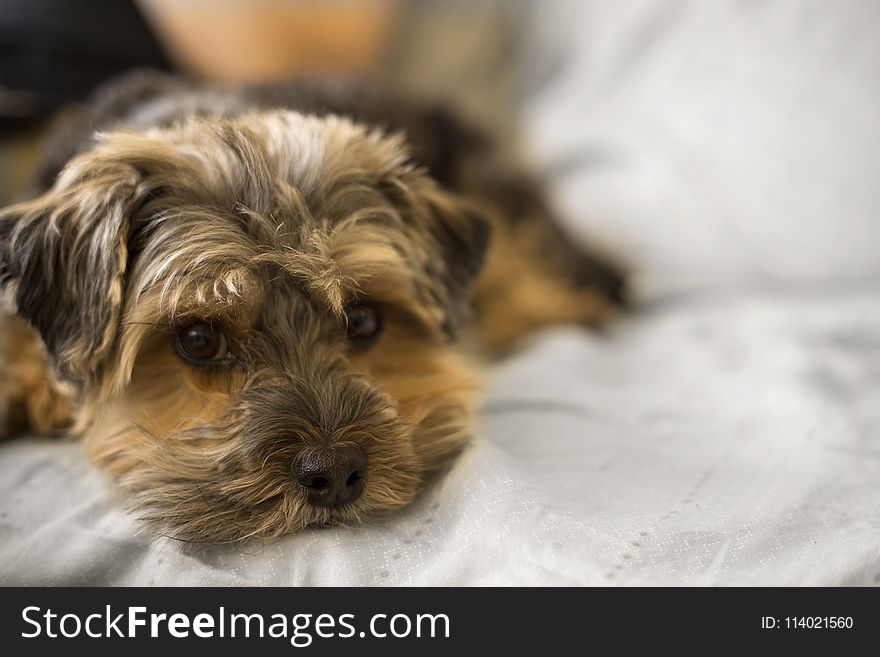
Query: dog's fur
265, 212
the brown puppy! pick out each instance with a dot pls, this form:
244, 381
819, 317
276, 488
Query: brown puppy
247, 302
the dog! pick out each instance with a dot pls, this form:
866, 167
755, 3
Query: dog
249, 303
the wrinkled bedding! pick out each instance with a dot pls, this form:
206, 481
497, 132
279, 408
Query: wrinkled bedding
712, 441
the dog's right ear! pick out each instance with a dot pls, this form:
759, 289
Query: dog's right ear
64, 254
454, 236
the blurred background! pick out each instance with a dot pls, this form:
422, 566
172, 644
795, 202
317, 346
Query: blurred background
709, 144
55, 52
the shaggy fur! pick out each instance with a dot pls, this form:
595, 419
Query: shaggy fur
257, 213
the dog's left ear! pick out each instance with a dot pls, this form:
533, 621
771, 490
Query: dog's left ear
65, 254
455, 235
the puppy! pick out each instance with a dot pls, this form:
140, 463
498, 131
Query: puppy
247, 302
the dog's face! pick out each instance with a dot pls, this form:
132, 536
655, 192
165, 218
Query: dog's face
258, 313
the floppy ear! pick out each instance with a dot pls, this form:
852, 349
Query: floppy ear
455, 236
64, 253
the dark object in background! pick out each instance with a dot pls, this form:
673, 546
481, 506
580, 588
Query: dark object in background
55, 51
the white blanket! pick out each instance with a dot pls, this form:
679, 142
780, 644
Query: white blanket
725, 440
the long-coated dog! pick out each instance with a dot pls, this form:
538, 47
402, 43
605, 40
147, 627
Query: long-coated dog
247, 302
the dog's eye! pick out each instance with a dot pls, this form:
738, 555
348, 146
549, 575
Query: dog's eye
201, 344
364, 324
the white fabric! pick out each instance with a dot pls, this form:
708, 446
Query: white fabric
717, 142
727, 440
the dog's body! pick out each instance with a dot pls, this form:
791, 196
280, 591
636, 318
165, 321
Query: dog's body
246, 302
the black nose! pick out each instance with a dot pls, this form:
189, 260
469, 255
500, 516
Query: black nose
332, 476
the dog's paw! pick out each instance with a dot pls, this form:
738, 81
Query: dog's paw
31, 397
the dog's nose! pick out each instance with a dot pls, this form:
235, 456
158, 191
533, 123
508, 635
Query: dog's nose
332, 476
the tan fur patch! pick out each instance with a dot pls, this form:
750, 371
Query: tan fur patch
519, 293
31, 397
